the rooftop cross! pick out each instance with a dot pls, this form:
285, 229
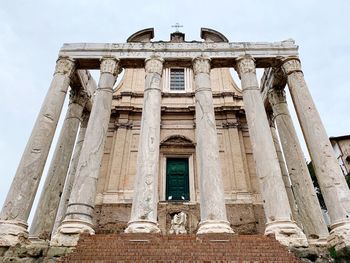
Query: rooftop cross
177, 26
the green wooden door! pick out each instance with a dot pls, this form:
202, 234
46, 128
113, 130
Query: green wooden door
177, 182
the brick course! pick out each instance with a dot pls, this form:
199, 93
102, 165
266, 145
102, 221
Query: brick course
110, 248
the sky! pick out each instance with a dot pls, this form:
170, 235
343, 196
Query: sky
32, 32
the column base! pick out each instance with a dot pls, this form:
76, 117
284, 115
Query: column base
13, 232
214, 226
287, 233
69, 231
339, 237
142, 227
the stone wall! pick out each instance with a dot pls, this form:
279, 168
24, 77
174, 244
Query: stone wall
244, 218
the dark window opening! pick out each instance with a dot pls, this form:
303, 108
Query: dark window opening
177, 79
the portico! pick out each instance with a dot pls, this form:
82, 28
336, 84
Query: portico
214, 173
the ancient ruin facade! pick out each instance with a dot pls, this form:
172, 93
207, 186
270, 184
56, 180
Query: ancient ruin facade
177, 136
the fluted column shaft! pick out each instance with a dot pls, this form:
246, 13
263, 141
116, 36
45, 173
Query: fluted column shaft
62, 208
212, 199
78, 218
276, 205
52, 190
144, 206
328, 172
304, 192
19, 200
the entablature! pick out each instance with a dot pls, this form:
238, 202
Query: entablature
132, 55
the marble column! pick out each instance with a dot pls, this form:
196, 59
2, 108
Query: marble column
309, 208
78, 218
212, 199
144, 206
329, 175
284, 171
62, 208
46, 210
275, 200
19, 200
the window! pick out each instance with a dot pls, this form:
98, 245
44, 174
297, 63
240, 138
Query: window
177, 79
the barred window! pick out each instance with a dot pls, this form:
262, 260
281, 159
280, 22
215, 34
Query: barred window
177, 79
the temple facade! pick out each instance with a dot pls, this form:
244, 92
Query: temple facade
177, 146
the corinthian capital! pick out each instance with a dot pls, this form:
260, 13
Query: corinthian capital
64, 65
154, 65
109, 65
290, 65
78, 96
245, 65
201, 65
276, 96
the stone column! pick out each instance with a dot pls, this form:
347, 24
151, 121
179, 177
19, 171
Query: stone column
276, 205
309, 208
144, 206
46, 210
212, 199
62, 208
329, 175
19, 201
284, 171
78, 218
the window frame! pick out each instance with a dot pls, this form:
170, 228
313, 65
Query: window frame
188, 80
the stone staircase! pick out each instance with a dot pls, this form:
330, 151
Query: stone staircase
181, 248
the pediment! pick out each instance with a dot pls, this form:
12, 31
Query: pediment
177, 140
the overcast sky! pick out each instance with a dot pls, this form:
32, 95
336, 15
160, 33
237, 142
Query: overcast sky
32, 32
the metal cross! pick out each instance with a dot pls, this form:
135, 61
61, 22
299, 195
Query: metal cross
177, 26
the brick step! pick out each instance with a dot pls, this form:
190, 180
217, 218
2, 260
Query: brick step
110, 248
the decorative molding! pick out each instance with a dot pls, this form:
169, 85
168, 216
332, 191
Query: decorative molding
109, 65
276, 96
291, 65
123, 125
177, 140
245, 65
231, 124
80, 97
132, 55
154, 65
201, 65
65, 66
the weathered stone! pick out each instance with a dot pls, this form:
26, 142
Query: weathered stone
212, 203
46, 210
144, 207
333, 186
79, 213
178, 224
277, 209
58, 251
284, 171
309, 208
20, 197
62, 208
313, 253
223, 52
